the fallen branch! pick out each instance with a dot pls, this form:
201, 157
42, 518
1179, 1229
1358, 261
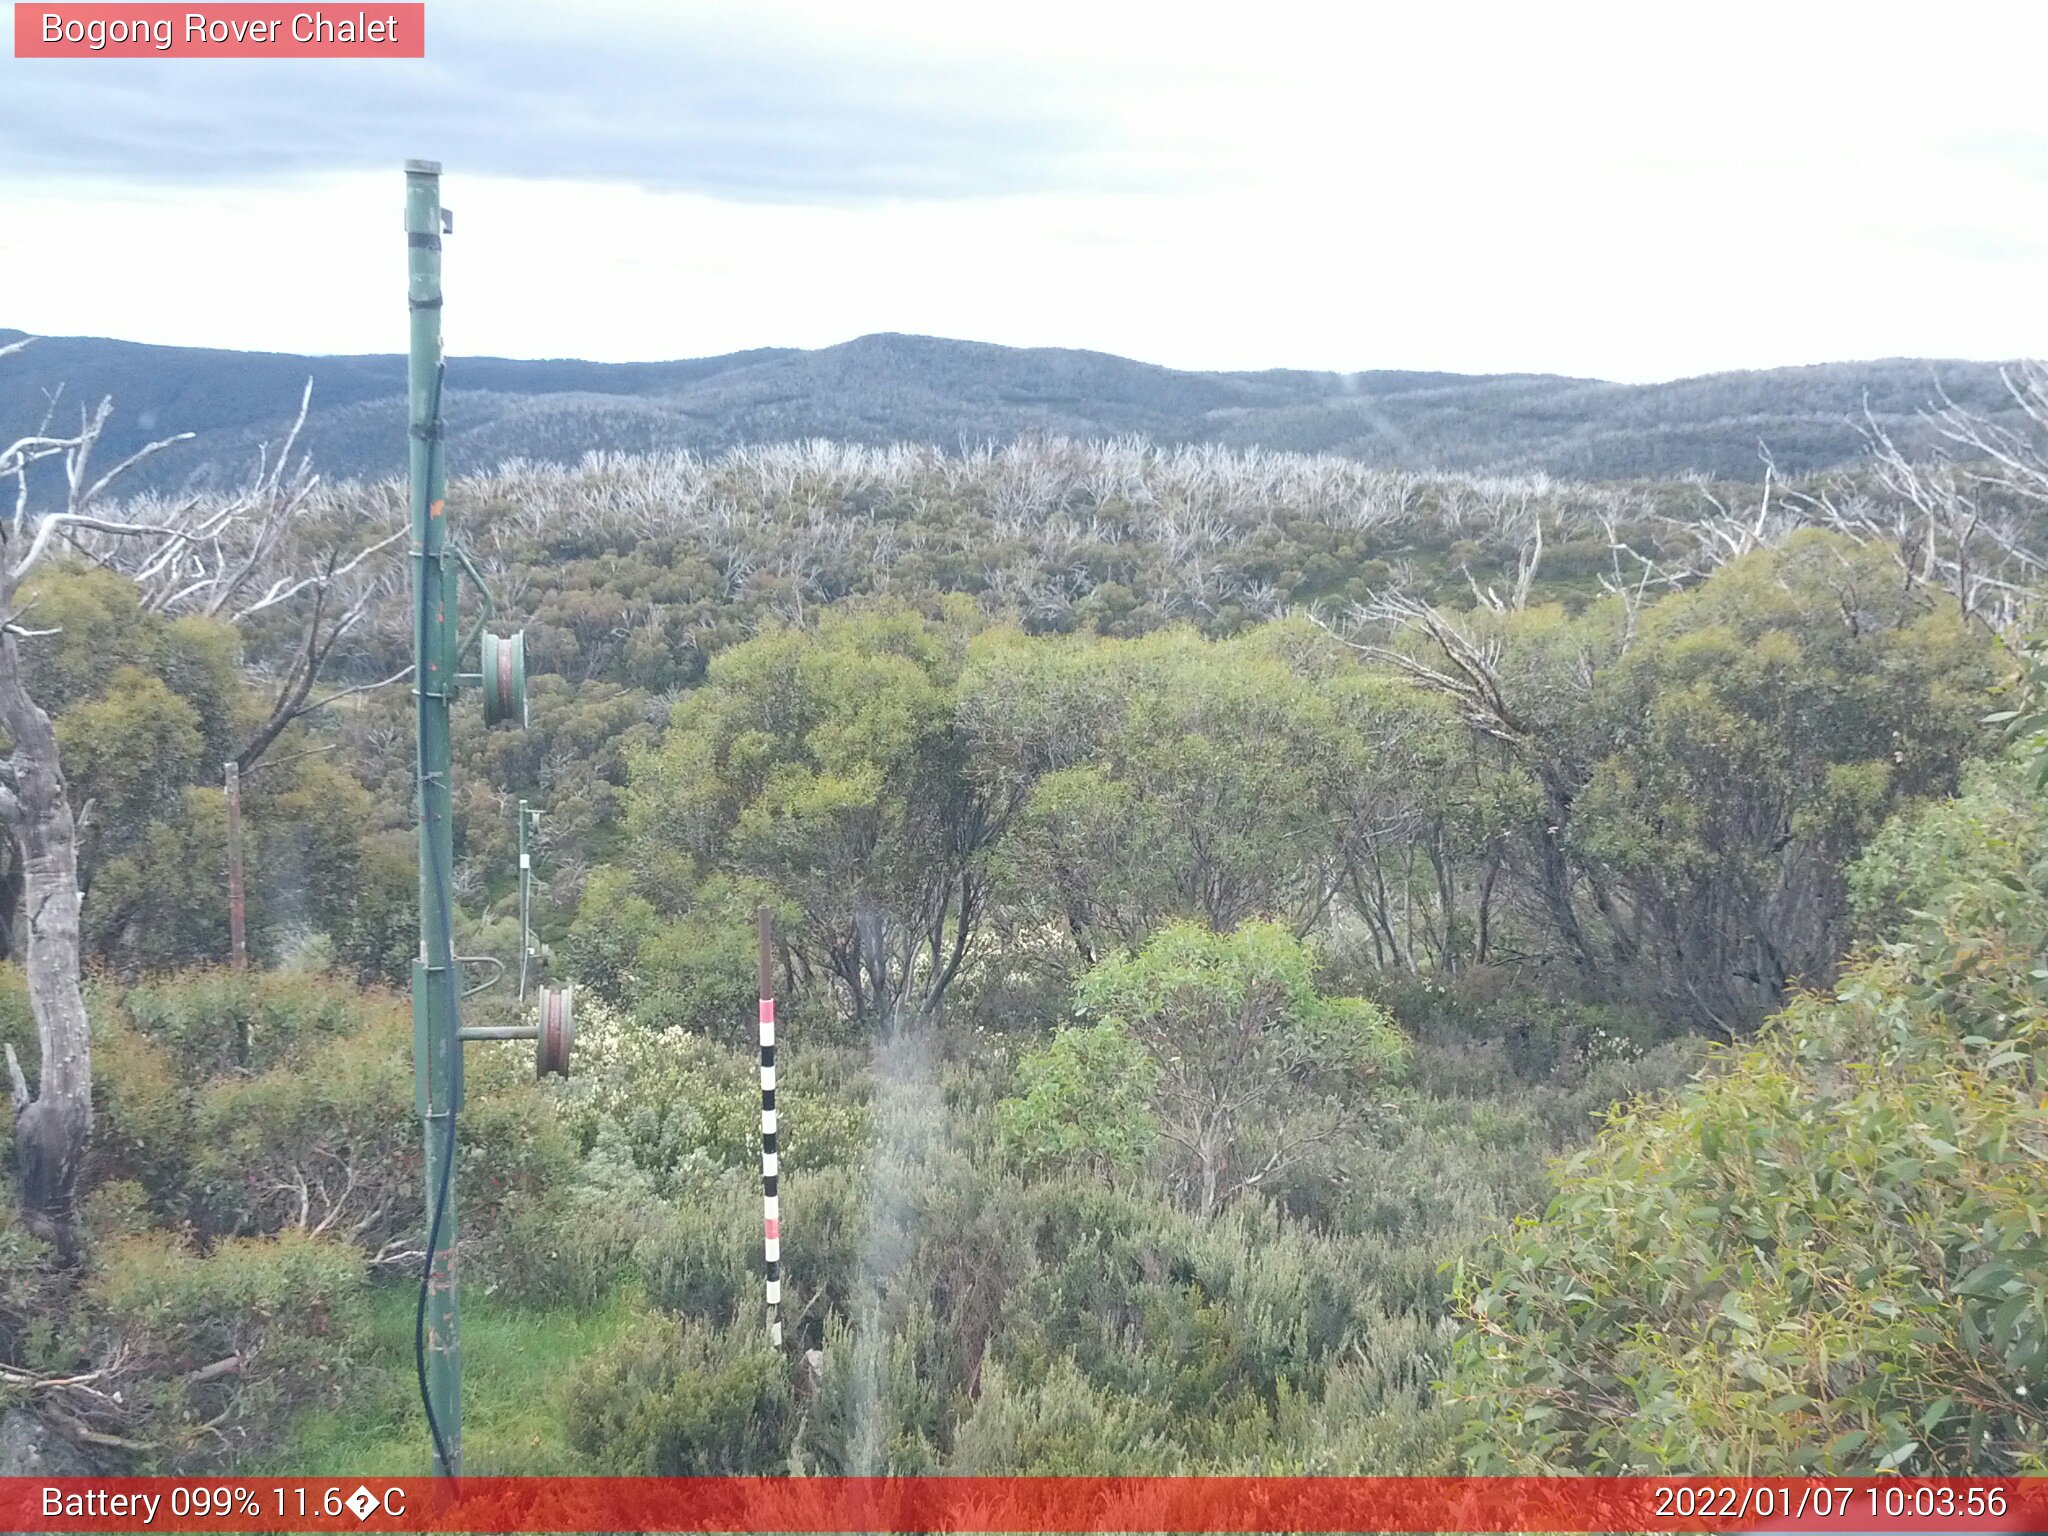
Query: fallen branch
228, 1367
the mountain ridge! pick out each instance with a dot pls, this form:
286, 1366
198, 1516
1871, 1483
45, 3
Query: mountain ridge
892, 386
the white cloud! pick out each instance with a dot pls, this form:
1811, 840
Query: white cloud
1634, 192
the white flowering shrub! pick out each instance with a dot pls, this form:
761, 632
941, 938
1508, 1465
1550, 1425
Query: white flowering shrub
677, 1108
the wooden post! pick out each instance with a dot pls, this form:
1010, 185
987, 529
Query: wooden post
238, 932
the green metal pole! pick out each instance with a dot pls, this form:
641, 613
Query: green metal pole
437, 1052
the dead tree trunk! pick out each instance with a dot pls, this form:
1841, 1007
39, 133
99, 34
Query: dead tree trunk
52, 1127
53, 1123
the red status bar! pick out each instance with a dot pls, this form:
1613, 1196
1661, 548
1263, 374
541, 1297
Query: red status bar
989, 1504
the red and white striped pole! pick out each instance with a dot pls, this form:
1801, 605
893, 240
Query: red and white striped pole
771, 1162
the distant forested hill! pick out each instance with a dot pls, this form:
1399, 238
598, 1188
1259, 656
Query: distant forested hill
891, 388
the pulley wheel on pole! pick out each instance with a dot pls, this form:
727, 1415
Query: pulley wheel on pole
504, 678
557, 1031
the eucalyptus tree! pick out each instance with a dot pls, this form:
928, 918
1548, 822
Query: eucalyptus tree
1754, 738
823, 768
1165, 777
1252, 1069
1705, 765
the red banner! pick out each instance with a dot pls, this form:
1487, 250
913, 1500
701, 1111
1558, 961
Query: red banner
1063, 1504
213, 31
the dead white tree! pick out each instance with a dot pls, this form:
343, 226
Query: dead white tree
245, 558
1528, 560
189, 554
1632, 588
1955, 520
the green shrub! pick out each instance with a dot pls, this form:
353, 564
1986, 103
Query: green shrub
570, 1246
249, 1294
1085, 1103
1377, 1416
230, 1342
874, 1410
825, 1226
143, 1125
515, 1143
219, 1022
1988, 831
1541, 1035
699, 971
612, 921
1822, 1257
1257, 1070
31, 1289
684, 1108
704, 1261
376, 935
329, 1141
1060, 1426
116, 1209
1156, 1304
675, 1398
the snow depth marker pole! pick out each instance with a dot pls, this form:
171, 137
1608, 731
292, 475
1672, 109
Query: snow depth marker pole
528, 953
238, 931
771, 1160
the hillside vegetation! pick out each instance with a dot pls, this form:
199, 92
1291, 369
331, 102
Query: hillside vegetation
1210, 887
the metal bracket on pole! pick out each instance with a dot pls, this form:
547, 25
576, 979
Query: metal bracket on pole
554, 1031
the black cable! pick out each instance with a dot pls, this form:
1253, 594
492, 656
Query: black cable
426, 1274
440, 885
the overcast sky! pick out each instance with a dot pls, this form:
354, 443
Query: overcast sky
1636, 191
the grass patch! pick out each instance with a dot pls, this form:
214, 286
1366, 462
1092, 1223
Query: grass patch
516, 1363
